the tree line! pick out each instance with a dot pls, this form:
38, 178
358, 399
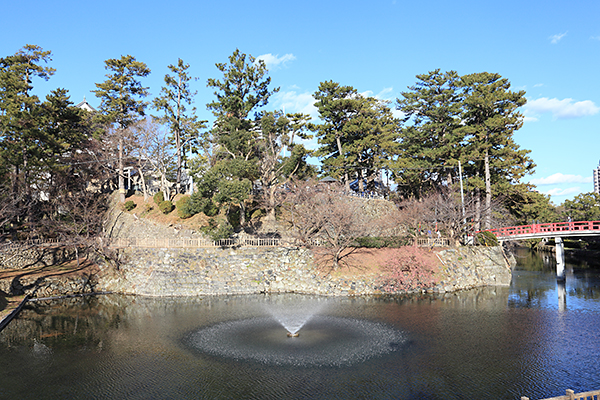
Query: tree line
452, 131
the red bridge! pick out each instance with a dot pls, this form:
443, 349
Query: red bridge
555, 229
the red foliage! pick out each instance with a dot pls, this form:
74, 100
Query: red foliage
410, 268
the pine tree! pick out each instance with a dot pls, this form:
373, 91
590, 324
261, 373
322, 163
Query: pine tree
176, 97
121, 97
490, 117
430, 145
243, 89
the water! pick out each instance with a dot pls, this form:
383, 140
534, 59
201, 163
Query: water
295, 313
497, 343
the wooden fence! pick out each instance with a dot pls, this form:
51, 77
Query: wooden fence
29, 243
571, 395
193, 242
433, 242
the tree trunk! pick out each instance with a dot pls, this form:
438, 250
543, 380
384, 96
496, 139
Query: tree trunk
143, 180
346, 180
488, 193
121, 169
242, 213
477, 222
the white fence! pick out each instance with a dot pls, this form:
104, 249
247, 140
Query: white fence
571, 395
193, 242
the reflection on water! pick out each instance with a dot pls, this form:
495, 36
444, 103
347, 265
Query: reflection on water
497, 342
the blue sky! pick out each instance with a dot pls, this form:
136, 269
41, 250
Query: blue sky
550, 49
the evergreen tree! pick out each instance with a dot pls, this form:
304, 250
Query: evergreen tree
280, 159
21, 138
243, 89
583, 207
174, 101
430, 145
121, 97
490, 117
357, 134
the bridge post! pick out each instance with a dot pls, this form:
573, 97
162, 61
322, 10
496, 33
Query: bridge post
560, 258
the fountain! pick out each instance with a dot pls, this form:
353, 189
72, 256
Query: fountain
293, 315
325, 340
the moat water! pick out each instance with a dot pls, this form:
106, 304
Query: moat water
534, 338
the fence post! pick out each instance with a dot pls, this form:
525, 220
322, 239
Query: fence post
524, 398
571, 394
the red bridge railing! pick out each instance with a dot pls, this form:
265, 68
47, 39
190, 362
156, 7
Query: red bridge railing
567, 227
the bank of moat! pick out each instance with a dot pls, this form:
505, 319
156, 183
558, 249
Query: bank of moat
215, 271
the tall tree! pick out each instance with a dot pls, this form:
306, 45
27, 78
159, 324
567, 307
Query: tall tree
583, 207
357, 134
243, 89
20, 133
176, 97
121, 97
490, 117
337, 105
280, 159
430, 143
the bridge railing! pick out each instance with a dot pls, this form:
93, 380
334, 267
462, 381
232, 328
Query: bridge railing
547, 228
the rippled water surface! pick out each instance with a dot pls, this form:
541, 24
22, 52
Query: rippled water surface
534, 338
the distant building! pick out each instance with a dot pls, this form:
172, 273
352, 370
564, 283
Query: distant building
86, 106
597, 179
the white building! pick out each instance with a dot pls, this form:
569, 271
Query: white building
597, 179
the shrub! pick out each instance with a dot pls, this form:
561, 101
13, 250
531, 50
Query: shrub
487, 238
379, 242
183, 207
257, 214
198, 204
218, 229
410, 268
129, 205
159, 197
166, 207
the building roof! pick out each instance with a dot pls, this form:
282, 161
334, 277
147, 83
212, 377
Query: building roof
85, 105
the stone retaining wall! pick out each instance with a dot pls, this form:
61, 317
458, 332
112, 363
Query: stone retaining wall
20, 257
192, 272
245, 270
49, 286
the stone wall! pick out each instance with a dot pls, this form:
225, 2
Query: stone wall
49, 286
191, 272
469, 267
19, 257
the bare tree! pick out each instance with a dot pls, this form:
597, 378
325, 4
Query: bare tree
320, 215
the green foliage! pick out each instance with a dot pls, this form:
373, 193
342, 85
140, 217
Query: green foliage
218, 229
256, 214
583, 207
244, 87
159, 197
174, 101
526, 204
357, 136
431, 144
382, 242
129, 205
183, 207
198, 204
471, 119
121, 93
166, 206
486, 238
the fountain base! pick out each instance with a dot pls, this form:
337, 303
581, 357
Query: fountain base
290, 334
